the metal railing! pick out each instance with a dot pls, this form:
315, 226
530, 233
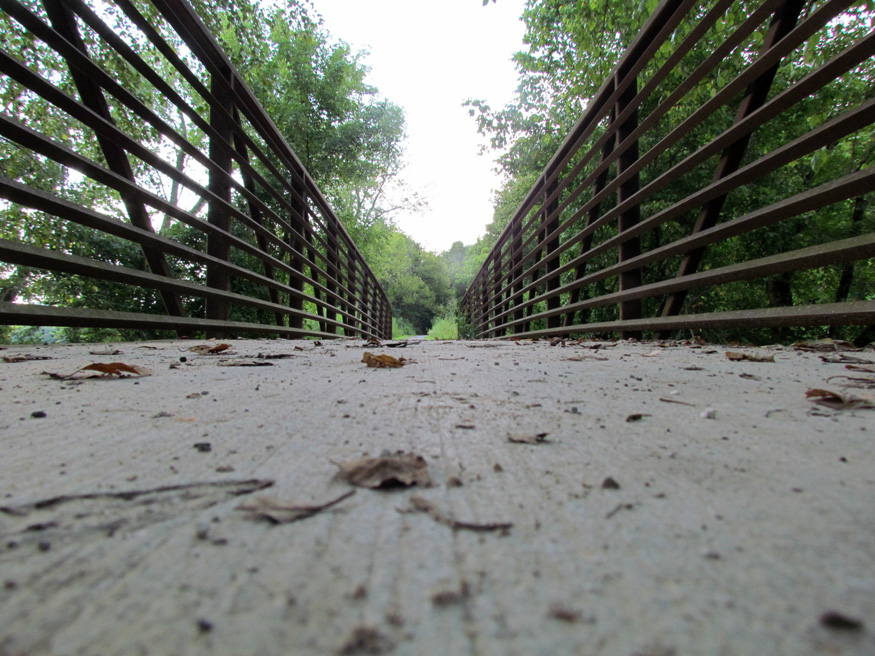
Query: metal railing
704, 138
260, 250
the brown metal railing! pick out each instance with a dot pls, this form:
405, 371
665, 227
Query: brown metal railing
262, 248
641, 206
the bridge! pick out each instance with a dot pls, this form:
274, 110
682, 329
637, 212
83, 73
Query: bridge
585, 475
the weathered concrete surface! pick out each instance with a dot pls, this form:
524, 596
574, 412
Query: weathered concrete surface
728, 536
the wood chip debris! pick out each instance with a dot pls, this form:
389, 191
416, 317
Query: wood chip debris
382, 361
395, 470
418, 504
840, 400
528, 438
666, 399
279, 512
738, 356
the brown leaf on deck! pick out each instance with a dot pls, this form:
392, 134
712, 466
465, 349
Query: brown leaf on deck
825, 345
527, 438
106, 352
381, 361
278, 512
857, 367
418, 504
116, 369
841, 358
738, 356
839, 400
26, 357
206, 349
398, 470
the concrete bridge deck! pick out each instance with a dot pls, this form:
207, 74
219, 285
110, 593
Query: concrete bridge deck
664, 500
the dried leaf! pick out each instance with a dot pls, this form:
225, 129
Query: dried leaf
418, 504
116, 369
856, 367
637, 416
841, 358
527, 438
838, 400
737, 356
26, 357
244, 363
206, 349
401, 469
381, 361
106, 352
581, 358
278, 512
856, 382
825, 345
374, 342
274, 356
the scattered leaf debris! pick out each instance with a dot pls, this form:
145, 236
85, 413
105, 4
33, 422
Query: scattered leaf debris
839, 400
245, 363
528, 438
25, 357
203, 447
418, 504
107, 351
666, 399
825, 345
274, 356
103, 369
234, 488
278, 512
619, 507
365, 640
394, 470
638, 416
738, 356
841, 358
382, 361
207, 349
565, 613
832, 619
610, 484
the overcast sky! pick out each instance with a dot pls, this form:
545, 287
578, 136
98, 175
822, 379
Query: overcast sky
429, 57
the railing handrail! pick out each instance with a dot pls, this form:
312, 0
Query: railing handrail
540, 263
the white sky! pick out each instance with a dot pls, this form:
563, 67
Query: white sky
429, 57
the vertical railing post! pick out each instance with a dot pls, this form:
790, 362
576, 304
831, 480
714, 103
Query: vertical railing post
217, 215
551, 223
629, 310
298, 221
516, 245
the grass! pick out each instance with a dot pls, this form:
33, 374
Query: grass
444, 328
